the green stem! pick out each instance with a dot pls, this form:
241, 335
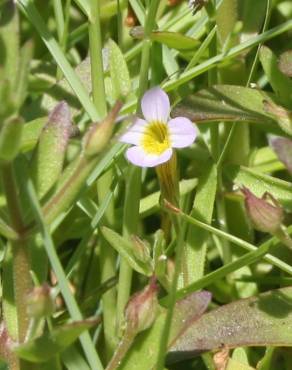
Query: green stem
73, 309
121, 351
59, 16
131, 218
108, 268
172, 299
95, 49
233, 239
208, 279
131, 211
20, 255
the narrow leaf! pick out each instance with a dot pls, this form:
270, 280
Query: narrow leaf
227, 103
259, 183
123, 246
174, 40
280, 83
49, 344
120, 78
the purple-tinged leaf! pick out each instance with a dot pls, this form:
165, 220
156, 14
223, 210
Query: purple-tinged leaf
6, 344
283, 148
265, 320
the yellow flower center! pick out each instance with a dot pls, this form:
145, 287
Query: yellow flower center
156, 138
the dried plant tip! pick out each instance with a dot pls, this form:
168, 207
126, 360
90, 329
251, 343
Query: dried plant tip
40, 302
197, 5
221, 358
142, 308
171, 207
174, 2
131, 18
265, 213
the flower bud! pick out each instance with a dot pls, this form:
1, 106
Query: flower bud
40, 302
99, 134
142, 308
141, 249
265, 213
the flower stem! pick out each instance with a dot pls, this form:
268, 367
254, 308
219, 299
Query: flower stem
108, 269
131, 210
131, 218
172, 298
20, 256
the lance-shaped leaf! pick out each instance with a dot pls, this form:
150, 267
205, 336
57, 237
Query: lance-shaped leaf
174, 40
256, 321
146, 344
10, 138
259, 183
120, 78
283, 148
228, 103
126, 248
48, 157
51, 343
9, 30
280, 83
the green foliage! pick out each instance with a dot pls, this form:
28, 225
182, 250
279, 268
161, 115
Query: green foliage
74, 213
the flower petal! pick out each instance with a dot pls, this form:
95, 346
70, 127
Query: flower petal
139, 157
155, 105
134, 134
182, 132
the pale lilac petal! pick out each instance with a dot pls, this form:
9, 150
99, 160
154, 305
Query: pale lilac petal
182, 132
155, 105
139, 157
134, 134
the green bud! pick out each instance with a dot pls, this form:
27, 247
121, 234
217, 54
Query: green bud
265, 213
10, 138
141, 310
141, 249
99, 134
48, 157
40, 302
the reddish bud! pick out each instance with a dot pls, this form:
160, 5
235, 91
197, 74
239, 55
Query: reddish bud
131, 18
174, 2
39, 302
265, 213
142, 308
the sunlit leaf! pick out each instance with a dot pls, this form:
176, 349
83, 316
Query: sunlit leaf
256, 321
